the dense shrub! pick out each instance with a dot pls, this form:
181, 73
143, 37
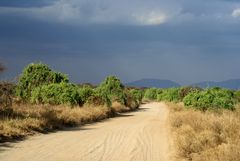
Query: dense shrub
131, 101
186, 90
85, 92
99, 98
35, 75
210, 98
170, 95
39, 84
56, 93
237, 95
137, 95
112, 88
151, 93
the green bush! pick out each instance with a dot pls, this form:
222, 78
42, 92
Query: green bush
212, 98
99, 98
131, 101
170, 95
35, 75
184, 91
137, 95
85, 92
237, 95
56, 93
151, 93
112, 88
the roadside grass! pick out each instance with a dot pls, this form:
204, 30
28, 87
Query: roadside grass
205, 136
118, 107
23, 120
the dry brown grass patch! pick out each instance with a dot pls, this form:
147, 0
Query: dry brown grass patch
118, 107
206, 136
28, 119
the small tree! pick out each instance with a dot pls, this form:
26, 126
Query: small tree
113, 88
35, 75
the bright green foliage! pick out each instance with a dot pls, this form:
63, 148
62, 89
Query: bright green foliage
137, 95
56, 93
210, 98
170, 95
184, 91
113, 89
99, 98
35, 75
85, 92
39, 84
237, 95
151, 93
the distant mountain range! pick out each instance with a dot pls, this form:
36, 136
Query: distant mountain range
230, 84
159, 83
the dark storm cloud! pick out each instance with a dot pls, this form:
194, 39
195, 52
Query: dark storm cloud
25, 3
186, 41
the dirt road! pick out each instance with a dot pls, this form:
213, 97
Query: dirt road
137, 136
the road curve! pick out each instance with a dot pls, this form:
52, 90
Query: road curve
137, 136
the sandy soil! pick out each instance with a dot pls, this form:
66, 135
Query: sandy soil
137, 136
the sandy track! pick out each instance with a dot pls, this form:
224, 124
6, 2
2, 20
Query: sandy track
137, 136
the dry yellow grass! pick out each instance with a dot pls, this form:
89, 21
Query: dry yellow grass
206, 136
23, 120
118, 107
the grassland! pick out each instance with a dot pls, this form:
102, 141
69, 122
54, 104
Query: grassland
205, 136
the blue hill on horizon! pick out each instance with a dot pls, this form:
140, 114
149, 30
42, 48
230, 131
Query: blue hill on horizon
230, 84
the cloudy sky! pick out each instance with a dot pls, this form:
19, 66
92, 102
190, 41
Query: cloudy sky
182, 40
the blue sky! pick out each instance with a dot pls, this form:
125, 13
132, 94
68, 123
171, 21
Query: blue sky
182, 40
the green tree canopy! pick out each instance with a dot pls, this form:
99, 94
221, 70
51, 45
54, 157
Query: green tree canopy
35, 75
112, 88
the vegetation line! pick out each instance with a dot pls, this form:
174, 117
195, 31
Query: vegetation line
44, 100
205, 122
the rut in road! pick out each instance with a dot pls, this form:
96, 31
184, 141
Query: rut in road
138, 136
